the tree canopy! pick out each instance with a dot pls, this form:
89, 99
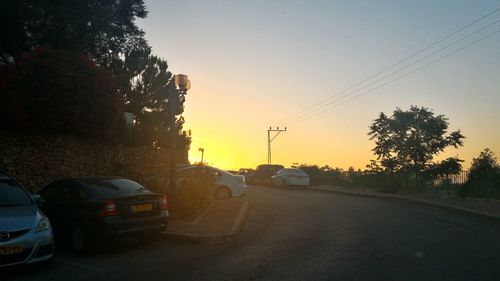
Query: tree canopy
409, 141
484, 176
101, 29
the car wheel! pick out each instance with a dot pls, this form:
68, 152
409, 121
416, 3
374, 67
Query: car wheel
79, 239
222, 193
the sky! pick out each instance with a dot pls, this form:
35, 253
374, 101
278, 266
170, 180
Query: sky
256, 64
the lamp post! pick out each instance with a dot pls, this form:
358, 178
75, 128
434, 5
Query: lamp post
177, 89
202, 151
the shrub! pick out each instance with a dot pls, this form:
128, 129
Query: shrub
484, 177
59, 92
191, 195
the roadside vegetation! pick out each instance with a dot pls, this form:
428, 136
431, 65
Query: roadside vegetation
191, 195
406, 144
484, 177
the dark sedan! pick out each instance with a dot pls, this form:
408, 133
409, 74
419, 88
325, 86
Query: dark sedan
88, 210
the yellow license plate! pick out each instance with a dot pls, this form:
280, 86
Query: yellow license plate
11, 250
142, 208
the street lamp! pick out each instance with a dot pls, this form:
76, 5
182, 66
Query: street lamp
202, 151
177, 89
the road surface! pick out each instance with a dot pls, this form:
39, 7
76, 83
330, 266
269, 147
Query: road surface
306, 235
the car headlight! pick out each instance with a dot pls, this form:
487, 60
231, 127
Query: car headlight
43, 224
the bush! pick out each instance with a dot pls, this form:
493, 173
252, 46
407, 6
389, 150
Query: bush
59, 92
322, 175
191, 195
484, 177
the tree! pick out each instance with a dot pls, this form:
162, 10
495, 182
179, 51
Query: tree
486, 163
408, 140
59, 92
101, 29
149, 98
484, 176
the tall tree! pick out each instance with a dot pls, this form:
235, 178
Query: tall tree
409, 140
149, 98
101, 29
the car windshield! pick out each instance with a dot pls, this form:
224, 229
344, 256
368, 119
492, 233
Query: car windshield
11, 194
112, 188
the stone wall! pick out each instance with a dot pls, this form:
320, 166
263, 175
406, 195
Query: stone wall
35, 160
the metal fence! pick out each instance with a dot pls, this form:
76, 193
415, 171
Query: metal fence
448, 184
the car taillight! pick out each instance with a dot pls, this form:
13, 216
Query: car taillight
164, 203
109, 209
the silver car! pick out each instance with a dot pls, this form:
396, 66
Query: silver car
25, 232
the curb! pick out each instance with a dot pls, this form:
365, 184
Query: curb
214, 238
405, 198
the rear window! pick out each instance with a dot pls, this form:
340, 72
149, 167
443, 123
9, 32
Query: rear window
112, 188
12, 194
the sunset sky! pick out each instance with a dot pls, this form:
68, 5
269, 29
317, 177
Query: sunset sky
253, 64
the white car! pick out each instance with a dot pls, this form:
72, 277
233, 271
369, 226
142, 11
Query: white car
228, 185
290, 177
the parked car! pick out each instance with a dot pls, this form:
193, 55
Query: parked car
263, 173
290, 177
228, 185
88, 209
25, 232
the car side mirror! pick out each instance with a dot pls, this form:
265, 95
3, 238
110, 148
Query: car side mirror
37, 198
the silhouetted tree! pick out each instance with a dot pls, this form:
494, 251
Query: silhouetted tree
484, 176
101, 29
408, 140
149, 100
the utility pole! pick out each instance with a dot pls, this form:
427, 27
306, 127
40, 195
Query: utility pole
277, 131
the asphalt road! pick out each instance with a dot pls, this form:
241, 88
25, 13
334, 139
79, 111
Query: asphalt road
306, 235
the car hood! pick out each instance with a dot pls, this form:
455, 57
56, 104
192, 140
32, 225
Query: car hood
18, 217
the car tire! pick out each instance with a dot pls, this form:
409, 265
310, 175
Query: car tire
80, 240
222, 193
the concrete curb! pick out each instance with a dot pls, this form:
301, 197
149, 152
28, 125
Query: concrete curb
214, 238
405, 198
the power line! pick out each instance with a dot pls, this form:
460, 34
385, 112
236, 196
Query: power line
297, 115
400, 77
398, 70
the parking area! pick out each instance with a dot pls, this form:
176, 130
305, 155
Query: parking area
127, 259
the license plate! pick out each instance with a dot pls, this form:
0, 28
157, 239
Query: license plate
11, 250
142, 208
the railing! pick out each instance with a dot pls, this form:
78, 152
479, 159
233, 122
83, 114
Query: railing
448, 184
